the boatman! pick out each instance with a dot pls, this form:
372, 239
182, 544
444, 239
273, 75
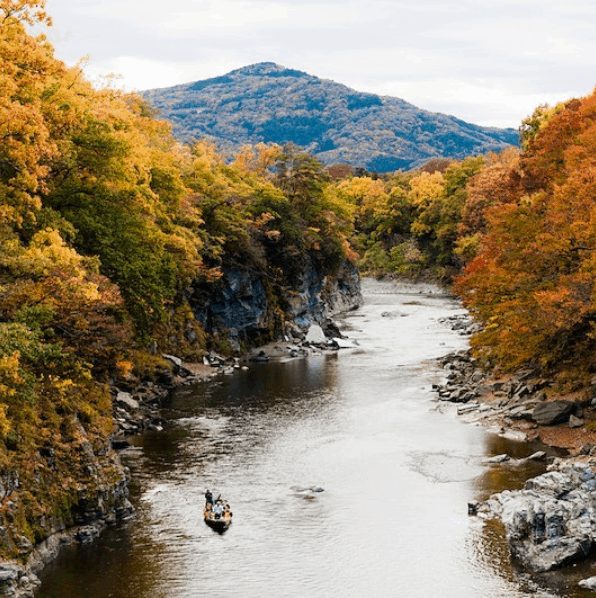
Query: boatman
208, 497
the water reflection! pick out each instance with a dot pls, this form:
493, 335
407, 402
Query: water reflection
397, 476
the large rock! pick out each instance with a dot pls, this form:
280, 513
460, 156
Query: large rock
315, 335
125, 398
173, 359
588, 584
552, 520
331, 329
344, 343
242, 306
575, 422
552, 412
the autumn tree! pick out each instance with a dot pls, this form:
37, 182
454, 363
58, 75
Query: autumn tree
532, 283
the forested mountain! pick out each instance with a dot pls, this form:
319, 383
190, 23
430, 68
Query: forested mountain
267, 102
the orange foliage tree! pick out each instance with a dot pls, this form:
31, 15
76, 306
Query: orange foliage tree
532, 282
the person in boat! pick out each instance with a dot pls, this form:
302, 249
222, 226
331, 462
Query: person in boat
208, 497
218, 509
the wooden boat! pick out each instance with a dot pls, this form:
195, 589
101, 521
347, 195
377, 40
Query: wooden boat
218, 524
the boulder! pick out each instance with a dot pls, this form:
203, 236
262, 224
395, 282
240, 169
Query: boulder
575, 422
586, 449
477, 377
315, 335
331, 329
215, 360
552, 520
552, 412
588, 584
173, 359
88, 533
260, 357
537, 456
178, 364
344, 343
520, 412
125, 398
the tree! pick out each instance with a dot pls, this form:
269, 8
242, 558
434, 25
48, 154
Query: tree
532, 282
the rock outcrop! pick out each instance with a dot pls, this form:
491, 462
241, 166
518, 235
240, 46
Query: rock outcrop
551, 522
553, 412
102, 501
243, 308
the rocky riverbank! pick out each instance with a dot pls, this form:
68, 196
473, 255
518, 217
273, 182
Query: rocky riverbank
523, 405
551, 522
102, 503
137, 408
241, 312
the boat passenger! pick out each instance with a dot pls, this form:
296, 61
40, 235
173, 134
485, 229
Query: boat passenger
218, 510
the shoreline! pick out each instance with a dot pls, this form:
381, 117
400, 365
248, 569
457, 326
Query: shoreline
523, 406
550, 522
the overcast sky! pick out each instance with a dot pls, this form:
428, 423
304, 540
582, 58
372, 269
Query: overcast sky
487, 61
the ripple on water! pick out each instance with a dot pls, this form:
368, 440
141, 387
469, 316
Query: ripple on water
443, 467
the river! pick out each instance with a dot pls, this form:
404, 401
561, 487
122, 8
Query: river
363, 424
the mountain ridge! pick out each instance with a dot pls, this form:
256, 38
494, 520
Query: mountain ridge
270, 103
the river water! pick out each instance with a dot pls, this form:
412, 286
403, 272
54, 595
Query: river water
363, 424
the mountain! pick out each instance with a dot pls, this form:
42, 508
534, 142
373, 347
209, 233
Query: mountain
274, 104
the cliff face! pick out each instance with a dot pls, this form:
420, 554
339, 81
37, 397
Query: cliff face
246, 309
319, 297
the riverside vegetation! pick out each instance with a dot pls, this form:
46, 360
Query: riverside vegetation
115, 239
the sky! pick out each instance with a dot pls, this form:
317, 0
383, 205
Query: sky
490, 62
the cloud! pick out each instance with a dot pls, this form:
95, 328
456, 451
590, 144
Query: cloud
489, 62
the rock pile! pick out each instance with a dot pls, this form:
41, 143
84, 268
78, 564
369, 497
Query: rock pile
17, 581
461, 323
136, 408
519, 397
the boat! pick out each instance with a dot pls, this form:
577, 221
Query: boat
217, 523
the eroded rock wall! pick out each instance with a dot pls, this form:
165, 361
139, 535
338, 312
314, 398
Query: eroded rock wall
246, 307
